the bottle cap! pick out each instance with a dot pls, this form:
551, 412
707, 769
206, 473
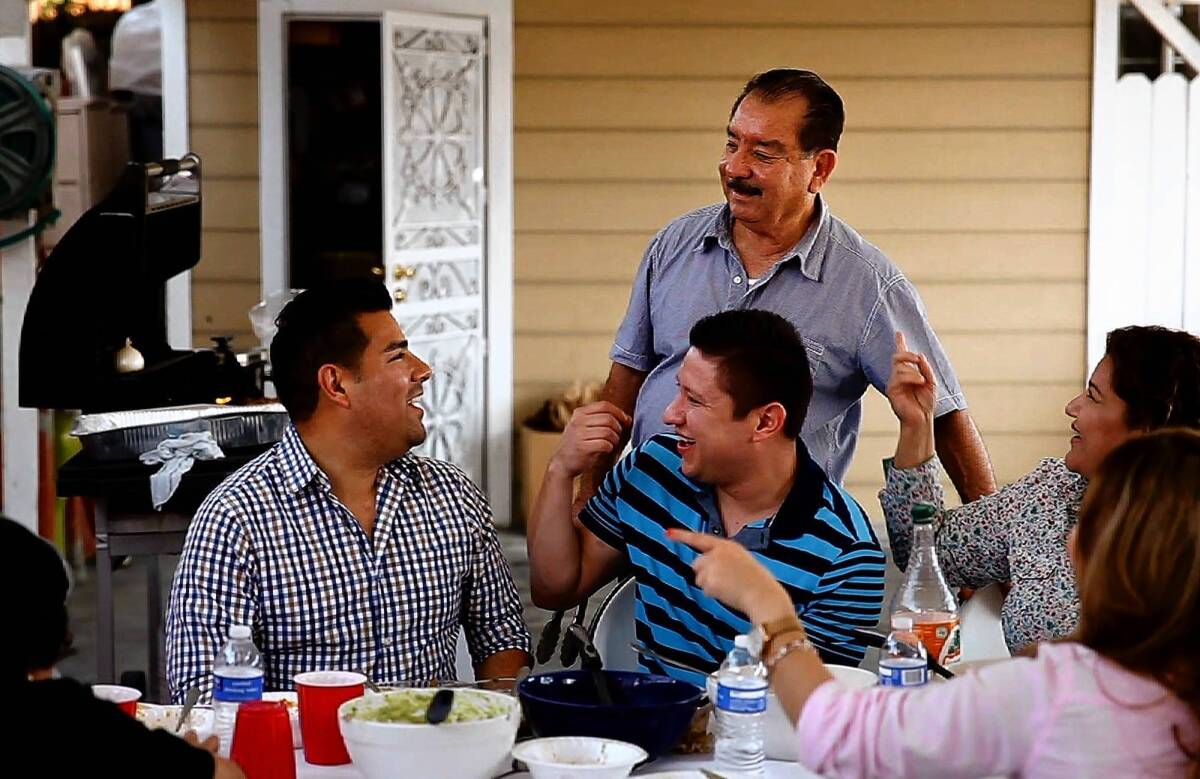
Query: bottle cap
901, 622
742, 642
923, 513
239, 631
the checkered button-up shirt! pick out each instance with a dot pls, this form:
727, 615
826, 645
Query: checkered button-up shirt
274, 548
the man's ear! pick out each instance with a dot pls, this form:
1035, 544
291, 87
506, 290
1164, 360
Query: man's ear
826, 161
771, 419
330, 383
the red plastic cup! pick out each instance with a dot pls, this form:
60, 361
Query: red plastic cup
125, 698
320, 693
262, 741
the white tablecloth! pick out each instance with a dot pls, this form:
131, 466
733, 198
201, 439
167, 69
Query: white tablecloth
775, 768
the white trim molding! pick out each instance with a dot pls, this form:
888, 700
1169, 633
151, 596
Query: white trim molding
176, 143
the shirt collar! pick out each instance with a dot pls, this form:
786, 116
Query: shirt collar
719, 231
800, 504
300, 470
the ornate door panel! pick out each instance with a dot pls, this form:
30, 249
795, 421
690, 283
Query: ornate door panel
435, 120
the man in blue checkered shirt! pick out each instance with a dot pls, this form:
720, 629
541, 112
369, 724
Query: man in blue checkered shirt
338, 546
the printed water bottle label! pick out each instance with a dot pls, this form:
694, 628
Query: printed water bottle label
742, 701
227, 688
903, 675
942, 639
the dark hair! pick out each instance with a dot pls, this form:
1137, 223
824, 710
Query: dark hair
33, 575
763, 361
822, 123
1156, 371
318, 327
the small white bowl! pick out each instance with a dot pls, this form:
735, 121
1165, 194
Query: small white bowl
573, 756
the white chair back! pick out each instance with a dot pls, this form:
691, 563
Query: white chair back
612, 628
982, 633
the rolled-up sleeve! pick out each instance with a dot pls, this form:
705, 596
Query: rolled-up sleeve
972, 540
493, 620
634, 343
214, 587
980, 724
899, 308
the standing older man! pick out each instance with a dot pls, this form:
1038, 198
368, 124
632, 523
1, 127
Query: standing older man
339, 547
775, 245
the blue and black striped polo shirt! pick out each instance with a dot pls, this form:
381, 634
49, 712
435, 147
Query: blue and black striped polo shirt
820, 546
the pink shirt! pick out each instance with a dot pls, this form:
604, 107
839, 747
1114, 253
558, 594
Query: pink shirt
1067, 713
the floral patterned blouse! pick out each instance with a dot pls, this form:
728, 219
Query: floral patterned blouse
1018, 534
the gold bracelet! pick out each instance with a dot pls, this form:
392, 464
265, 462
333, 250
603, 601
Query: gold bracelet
796, 643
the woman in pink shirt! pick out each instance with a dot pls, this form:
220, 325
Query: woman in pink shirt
1119, 698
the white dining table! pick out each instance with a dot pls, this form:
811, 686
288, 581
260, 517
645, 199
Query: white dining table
776, 769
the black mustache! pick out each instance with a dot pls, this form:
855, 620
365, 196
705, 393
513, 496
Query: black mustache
741, 187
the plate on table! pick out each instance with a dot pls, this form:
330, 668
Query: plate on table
156, 717
289, 699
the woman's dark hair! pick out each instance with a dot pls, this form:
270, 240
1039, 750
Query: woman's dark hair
1156, 371
763, 360
319, 327
36, 581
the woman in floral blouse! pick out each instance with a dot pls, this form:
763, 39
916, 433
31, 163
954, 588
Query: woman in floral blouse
1149, 378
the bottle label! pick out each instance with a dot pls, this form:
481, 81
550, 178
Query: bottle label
742, 700
942, 639
903, 675
237, 689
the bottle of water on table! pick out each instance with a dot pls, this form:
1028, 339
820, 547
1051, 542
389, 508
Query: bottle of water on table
902, 660
741, 707
237, 677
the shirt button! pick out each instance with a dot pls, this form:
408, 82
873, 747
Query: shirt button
737, 279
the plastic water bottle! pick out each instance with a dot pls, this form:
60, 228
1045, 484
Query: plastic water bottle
741, 708
902, 661
924, 595
237, 677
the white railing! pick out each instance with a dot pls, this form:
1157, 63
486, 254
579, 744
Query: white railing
1144, 226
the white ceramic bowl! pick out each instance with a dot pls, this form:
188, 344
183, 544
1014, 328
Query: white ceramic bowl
780, 734
292, 701
568, 757
463, 750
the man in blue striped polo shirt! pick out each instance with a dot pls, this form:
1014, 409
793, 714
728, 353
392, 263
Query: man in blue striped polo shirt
735, 467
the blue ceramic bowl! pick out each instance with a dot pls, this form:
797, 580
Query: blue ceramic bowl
651, 711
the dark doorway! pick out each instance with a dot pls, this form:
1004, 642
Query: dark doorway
335, 150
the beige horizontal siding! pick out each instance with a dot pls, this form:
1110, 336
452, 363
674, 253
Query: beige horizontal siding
957, 206
837, 52
881, 13
594, 257
923, 103
223, 98
865, 155
222, 9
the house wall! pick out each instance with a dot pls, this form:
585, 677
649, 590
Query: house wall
965, 158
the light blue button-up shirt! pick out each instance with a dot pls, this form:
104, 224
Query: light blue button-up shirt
844, 296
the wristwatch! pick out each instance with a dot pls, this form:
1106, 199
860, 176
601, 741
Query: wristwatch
764, 633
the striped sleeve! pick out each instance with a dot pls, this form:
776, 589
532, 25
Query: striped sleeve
600, 514
849, 595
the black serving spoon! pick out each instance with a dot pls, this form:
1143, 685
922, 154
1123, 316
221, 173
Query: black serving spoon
439, 706
875, 639
592, 663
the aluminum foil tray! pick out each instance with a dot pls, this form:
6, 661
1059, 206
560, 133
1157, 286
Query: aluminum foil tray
126, 434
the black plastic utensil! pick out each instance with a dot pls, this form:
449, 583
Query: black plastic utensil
875, 639
593, 664
439, 707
